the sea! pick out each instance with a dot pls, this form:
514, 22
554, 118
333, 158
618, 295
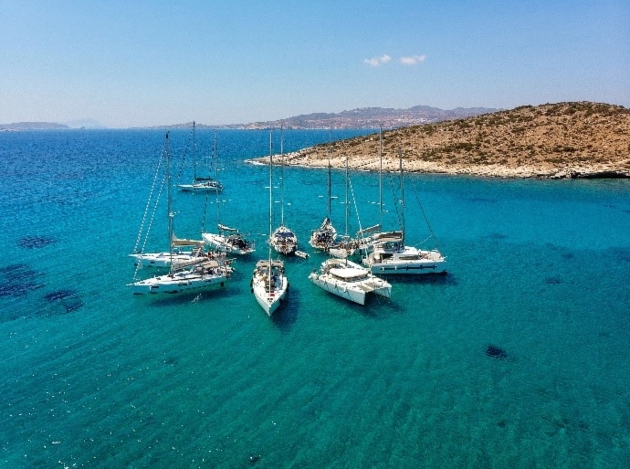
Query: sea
519, 357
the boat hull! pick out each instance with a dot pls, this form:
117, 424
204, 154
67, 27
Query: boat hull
176, 283
220, 243
160, 260
354, 295
270, 301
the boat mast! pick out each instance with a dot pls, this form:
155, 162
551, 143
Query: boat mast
169, 203
194, 156
270, 198
347, 201
329, 174
281, 176
402, 195
380, 178
216, 176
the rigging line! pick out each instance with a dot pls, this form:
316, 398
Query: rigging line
181, 166
146, 237
395, 200
354, 200
426, 220
155, 207
146, 210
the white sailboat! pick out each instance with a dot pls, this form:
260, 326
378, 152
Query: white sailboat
200, 183
227, 240
391, 256
349, 280
372, 235
283, 239
198, 273
269, 281
181, 251
347, 246
326, 235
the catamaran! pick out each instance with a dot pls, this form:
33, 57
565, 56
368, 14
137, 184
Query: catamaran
349, 280
269, 281
391, 256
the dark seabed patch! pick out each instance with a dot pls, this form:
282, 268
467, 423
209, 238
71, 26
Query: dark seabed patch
19, 279
553, 281
69, 299
496, 236
35, 242
621, 254
496, 352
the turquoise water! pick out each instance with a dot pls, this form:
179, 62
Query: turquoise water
95, 377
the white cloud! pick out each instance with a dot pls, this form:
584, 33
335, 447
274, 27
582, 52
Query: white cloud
412, 60
378, 61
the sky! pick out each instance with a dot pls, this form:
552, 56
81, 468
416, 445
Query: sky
151, 63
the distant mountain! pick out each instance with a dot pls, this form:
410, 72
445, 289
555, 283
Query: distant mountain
85, 124
33, 126
370, 118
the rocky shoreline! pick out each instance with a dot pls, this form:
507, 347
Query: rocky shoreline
305, 159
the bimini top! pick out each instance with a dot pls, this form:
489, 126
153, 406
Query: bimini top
349, 273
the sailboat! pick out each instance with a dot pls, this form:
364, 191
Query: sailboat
283, 239
326, 235
372, 235
269, 281
199, 272
391, 256
347, 246
227, 240
181, 251
200, 183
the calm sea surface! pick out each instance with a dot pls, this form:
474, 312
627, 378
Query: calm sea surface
92, 376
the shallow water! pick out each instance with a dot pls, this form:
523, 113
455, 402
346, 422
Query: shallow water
95, 377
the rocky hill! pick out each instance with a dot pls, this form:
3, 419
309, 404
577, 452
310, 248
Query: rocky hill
573, 139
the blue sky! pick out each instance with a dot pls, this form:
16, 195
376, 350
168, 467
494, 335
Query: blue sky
140, 63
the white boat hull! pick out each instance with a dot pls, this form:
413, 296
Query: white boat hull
178, 282
220, 243
270, 301
161, 260
355, 286
425, 262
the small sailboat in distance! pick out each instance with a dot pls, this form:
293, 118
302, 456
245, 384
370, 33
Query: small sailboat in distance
269, 281
200, 183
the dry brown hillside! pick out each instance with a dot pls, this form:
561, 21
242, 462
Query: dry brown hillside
579, 139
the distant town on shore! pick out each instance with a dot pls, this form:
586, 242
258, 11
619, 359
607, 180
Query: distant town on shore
364, 118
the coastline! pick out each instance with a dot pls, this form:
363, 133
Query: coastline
310, 158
